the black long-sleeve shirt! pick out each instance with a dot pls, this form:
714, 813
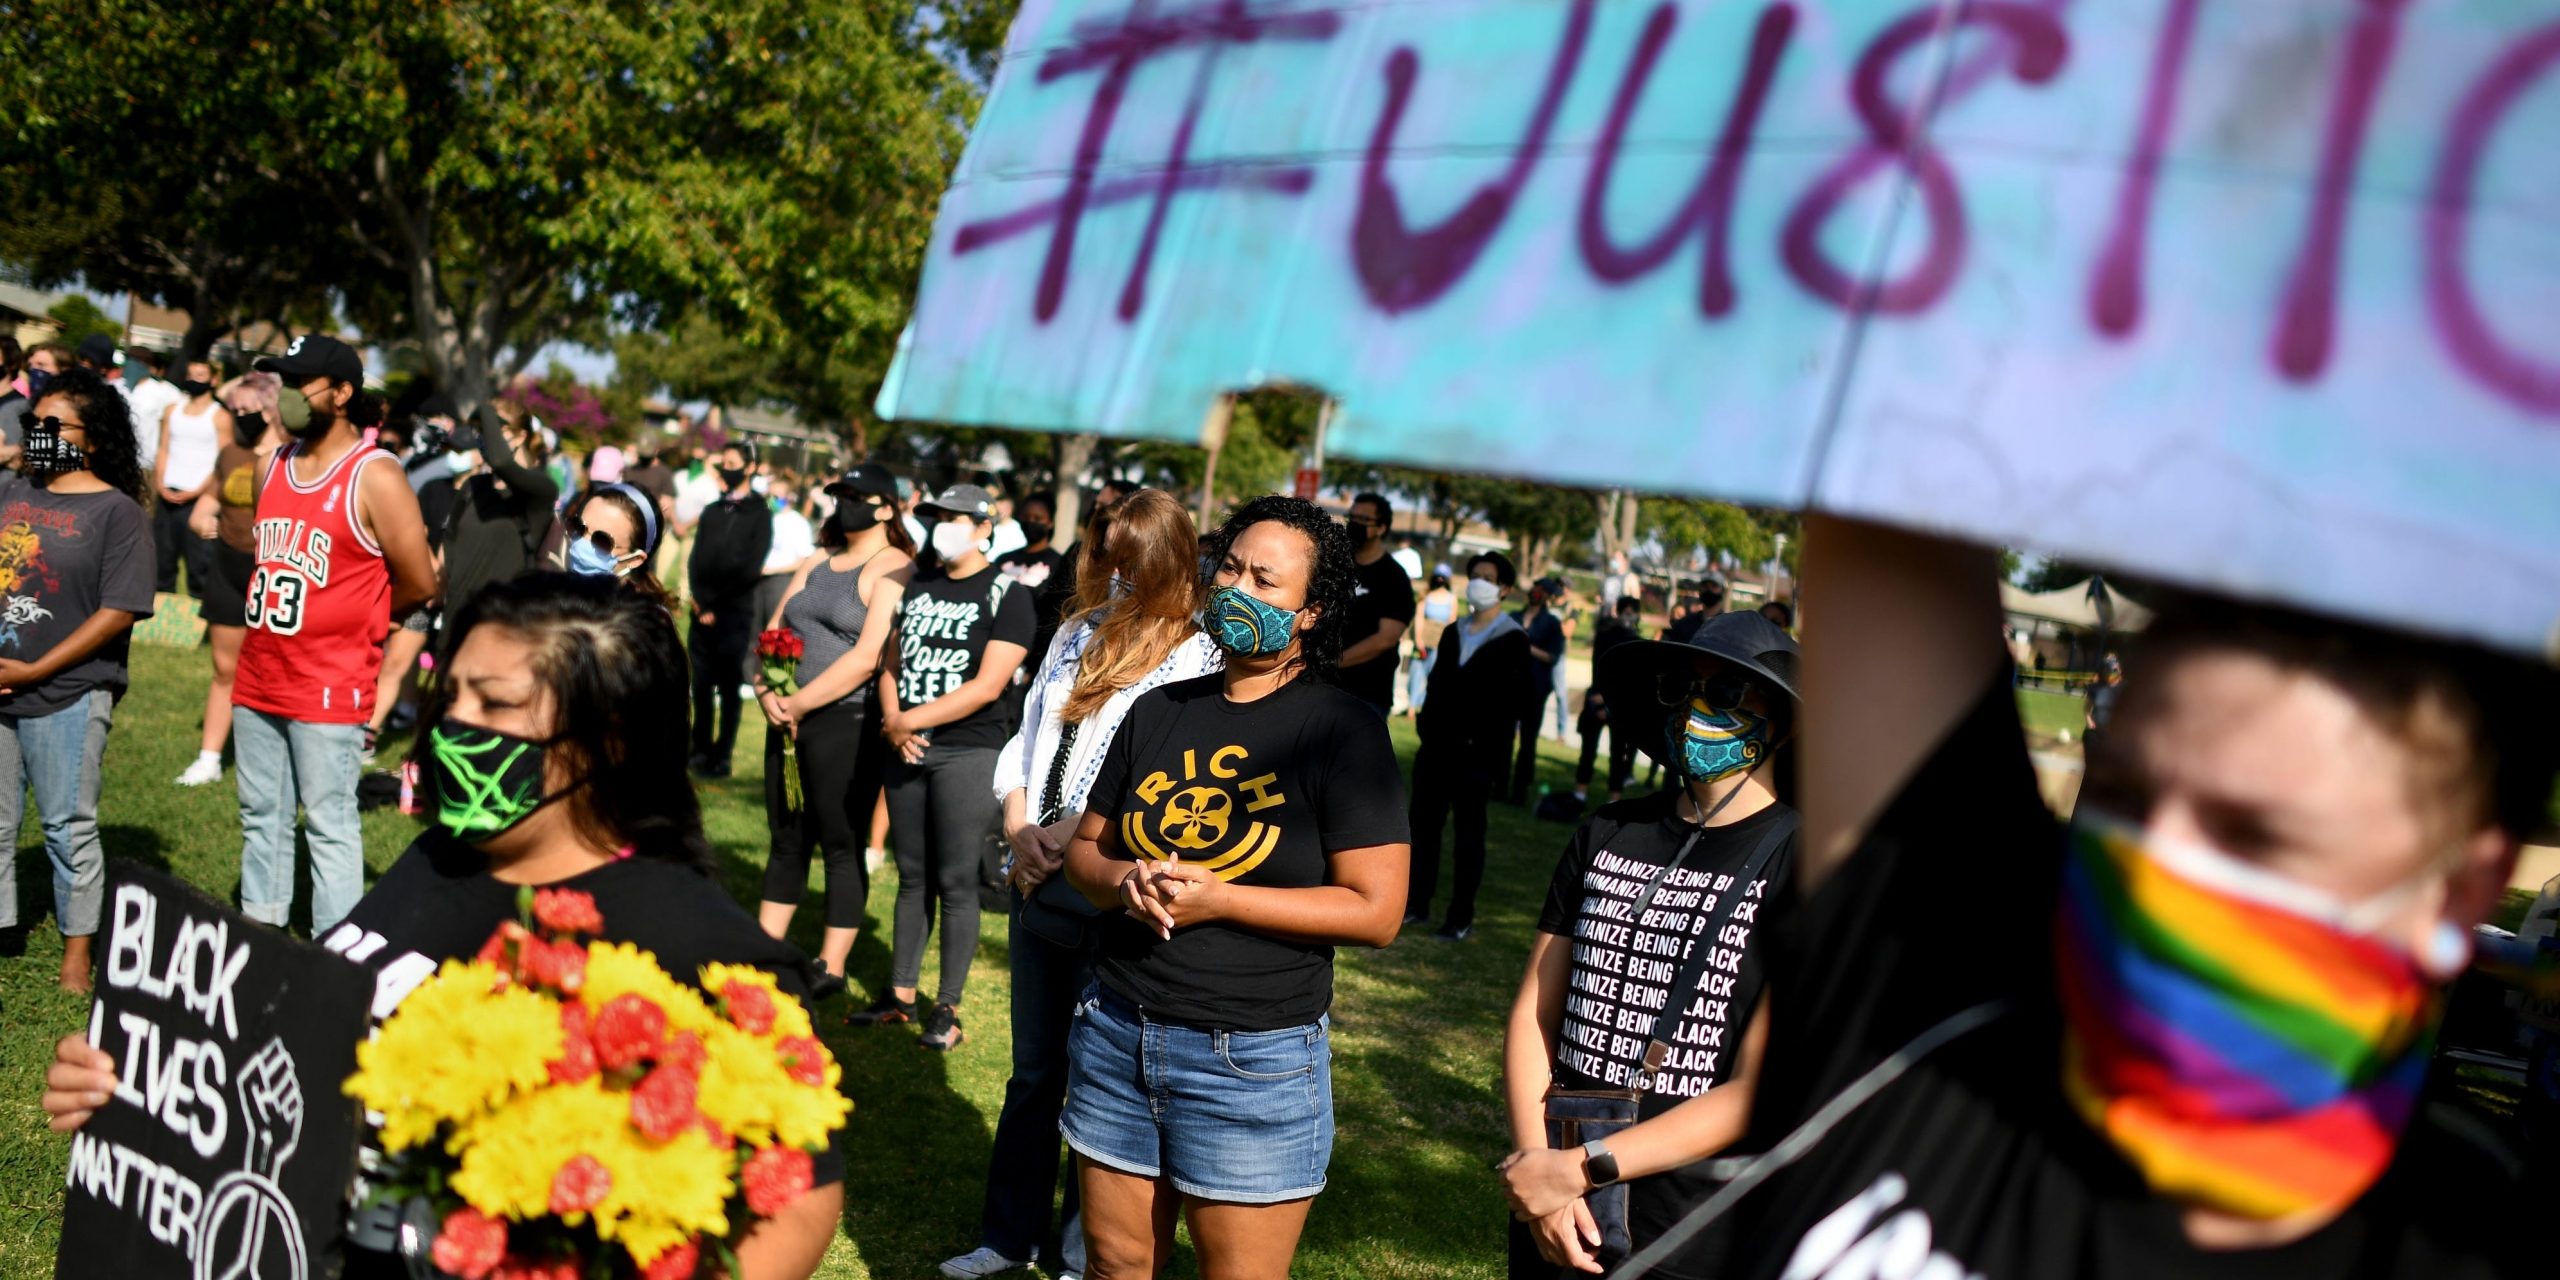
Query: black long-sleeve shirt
496, 528
1474, 698
729, 546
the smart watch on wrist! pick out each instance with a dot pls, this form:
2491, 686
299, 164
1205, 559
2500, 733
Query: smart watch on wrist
1599, 1163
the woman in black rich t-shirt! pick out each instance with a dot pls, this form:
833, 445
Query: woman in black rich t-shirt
554, 756
1246, 823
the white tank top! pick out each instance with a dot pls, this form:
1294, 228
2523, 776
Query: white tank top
192, 446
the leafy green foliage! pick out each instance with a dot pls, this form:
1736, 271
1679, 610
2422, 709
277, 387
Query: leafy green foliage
80, 318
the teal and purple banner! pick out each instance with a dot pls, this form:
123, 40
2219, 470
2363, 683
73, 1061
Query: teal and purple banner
2261, 295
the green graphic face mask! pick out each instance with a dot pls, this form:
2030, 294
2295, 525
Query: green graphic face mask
480, 782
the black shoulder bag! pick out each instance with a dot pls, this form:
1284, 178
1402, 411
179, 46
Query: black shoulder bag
1577, 1116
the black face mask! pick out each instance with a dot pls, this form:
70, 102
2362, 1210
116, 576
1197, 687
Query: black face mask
732, 477
1034, 533
853, 515
193, 387
481, 782
248, 427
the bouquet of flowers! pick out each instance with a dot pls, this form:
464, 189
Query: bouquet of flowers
778, 655
568, 1109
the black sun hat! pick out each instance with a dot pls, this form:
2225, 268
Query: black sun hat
1630, 676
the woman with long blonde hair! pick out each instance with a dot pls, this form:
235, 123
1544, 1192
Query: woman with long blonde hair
1135, 624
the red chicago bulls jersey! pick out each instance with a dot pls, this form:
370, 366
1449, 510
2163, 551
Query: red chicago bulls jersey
320, 598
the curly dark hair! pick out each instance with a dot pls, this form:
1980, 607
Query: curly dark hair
108, 421
621, 680
1330, 590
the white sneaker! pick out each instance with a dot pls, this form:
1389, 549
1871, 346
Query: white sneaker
873, 860
981, 1261
206, 771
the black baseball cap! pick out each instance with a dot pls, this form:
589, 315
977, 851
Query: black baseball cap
315, 355
97, 349
960, 499
866, 478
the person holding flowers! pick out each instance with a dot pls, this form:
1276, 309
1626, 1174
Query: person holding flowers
553, 759
841, 605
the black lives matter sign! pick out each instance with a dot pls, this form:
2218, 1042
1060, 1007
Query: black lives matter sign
227, 1148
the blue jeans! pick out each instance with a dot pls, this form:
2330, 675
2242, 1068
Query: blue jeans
1235, 1117
280, 762
1023, 1168
1417, 674
59, 755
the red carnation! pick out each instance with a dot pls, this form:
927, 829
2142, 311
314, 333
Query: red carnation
662, 1104
505, 947
560, 966
470, 1245
803, 1058
580, 1185
773, 1178
519, 1267
749, 1006
567, 911
577, 1059
678, 1263
628, 1028
717, 1136
685, 1050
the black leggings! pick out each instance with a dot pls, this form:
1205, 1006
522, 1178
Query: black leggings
843, 759
719, 652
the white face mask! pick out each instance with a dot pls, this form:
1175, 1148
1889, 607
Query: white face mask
953, 539
1482, 593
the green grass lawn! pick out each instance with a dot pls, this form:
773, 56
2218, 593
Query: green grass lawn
1417, 1033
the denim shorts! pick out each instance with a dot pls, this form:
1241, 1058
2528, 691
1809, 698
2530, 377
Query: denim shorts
1241, 1117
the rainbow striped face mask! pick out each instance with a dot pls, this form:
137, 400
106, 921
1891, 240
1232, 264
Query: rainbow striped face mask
2245, 1041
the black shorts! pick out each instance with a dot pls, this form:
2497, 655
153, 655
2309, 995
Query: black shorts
226, 588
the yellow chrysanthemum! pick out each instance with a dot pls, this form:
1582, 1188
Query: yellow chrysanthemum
746, 1091
662, 1193
455, 1049
789, 1018
618, 968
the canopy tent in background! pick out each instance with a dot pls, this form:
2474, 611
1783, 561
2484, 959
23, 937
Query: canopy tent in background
2087, 605
2250, 297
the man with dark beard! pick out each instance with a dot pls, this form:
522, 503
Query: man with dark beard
341, 551
1381, 606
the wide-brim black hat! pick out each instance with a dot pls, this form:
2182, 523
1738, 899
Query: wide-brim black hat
1630, 676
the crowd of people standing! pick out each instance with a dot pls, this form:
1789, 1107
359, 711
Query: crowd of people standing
2002, 1045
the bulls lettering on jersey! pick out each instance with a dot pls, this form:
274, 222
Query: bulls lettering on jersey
319, 598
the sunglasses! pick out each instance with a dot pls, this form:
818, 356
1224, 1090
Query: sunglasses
597, 538
29, 422
1722, 691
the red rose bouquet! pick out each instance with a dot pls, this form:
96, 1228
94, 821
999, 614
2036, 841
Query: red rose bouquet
778, 658
567, 1108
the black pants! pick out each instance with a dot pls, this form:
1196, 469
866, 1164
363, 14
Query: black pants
1450, 779
1022, 1170
939, 815
172, 542
1622, 753
1524, 767
842, 762
719, 649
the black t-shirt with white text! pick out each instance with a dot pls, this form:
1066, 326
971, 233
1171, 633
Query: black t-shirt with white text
438, 902
1262, 793
1971, 1163
1623, 966
1380, 592
944, 626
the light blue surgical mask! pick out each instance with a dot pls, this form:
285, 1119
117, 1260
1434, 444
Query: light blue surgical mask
1247, 627
586, 560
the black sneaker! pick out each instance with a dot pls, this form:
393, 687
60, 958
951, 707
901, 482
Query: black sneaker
13, 941
711, 770
885, 1011
1417, 917
942, 1029
826, 986
1458, 934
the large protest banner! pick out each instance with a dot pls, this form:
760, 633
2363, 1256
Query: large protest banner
228, 1146
2254, 294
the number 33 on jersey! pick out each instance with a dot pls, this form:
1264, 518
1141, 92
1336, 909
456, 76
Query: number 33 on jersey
319, 598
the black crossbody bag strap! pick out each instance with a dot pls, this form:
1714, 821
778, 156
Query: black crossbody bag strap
1657, 1050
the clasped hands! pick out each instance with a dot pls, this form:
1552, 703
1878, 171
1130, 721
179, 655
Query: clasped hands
1173, 894
1545, 1189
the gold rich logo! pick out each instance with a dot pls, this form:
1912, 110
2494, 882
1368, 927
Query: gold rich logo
1206, 819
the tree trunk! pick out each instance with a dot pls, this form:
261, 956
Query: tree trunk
1213, 437
1070, 455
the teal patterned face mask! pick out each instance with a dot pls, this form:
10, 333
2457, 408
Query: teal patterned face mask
1247, 627
1708, 742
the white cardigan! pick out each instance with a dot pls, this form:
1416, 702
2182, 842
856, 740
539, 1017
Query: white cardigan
1024, 762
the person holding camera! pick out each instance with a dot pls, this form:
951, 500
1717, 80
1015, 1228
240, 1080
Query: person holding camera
502, 504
